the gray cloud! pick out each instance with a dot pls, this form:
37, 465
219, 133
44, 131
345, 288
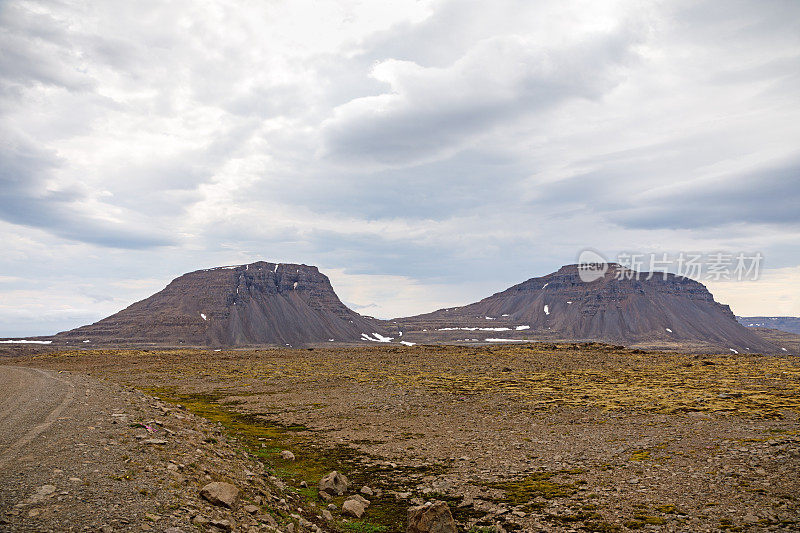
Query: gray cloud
434, 111
475, 143
767, 196
25, 200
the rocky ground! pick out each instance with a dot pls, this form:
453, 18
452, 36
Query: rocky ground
110, 458
534, 437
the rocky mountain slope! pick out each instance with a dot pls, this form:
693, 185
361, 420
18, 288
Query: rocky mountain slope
258, 303
289, 305
790, 324
671, 313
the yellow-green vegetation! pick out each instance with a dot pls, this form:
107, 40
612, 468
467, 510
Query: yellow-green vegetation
666, 509
360, 526
266, 439
641, 520
541, 375
539, 485
641, 455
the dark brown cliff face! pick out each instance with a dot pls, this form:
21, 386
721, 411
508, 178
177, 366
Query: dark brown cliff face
655, 311
259, 303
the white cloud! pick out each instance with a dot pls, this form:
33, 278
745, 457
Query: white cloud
438, 146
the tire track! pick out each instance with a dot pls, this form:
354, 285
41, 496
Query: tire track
10, 452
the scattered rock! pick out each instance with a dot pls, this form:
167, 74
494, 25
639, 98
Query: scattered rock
46, 490
287, 455
362, 500
252, 509
366, 491
200, 520
224, 525
334, 483
327, 516
353, 507
220, 493
432, 517
324, 496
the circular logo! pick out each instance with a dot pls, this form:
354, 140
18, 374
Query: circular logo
591, 266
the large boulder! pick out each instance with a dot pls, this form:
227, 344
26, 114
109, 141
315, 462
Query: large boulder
220, 493
334, 483
432, 517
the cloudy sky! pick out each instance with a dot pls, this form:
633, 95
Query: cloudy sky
421, 153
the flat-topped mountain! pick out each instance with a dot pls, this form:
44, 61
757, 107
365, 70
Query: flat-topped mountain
286, 304
616, 308
258, 303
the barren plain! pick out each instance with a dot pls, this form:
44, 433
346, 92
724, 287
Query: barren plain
529, 437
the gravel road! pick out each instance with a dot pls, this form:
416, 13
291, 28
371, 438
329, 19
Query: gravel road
79, 454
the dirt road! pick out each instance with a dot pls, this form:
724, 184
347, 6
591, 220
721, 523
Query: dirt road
81, 454
31, 400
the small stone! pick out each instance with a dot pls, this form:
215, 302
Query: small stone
327, 516
353, 507
75, 479
431, 518
252, 509
200, 520
154, 441
220, 493
366, 491
152, 517
46, 490
324, 496
224, 525
334, 483
287, 455
332, 507
173, 530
